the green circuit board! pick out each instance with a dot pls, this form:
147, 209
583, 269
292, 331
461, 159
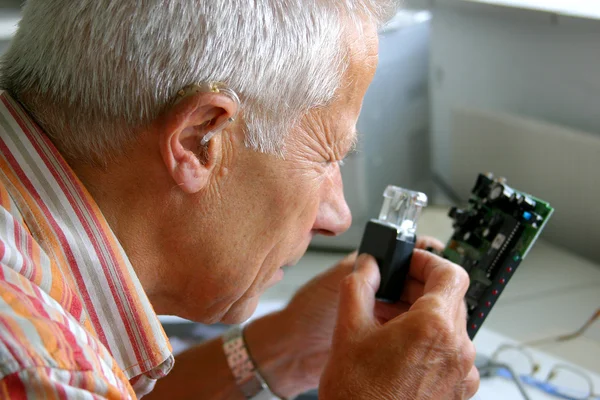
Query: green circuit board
492, 235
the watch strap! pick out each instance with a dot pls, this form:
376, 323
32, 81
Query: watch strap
247, 376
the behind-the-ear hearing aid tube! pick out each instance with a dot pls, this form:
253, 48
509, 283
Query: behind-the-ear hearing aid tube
220, 88
214, 87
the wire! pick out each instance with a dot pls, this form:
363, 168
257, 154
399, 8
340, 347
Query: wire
554, 372
535, 367
544, 386
565, 338
494, 368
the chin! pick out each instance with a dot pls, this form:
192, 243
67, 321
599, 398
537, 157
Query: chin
236, 313
240, 312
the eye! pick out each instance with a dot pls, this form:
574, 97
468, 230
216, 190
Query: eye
342, 162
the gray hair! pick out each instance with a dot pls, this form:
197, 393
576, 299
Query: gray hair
95, 72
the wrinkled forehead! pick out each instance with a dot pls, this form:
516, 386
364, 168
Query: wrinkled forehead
362, 46
333, 126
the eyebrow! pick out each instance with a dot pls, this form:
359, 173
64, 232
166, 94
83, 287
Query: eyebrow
353, 140
348, 144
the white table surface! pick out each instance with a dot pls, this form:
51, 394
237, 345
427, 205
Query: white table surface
553, 292
486, 342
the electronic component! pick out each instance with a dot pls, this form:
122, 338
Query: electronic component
391, 239
492, 235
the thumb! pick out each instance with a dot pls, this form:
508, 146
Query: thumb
357, 295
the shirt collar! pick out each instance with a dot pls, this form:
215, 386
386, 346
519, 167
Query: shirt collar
113, 299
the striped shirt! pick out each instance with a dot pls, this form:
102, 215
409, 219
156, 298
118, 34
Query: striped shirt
74, 320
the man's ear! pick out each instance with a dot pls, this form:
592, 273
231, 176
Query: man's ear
181, 130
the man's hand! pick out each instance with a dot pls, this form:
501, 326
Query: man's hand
308, 323
424, 353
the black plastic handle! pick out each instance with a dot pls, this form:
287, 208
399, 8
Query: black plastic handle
393, 258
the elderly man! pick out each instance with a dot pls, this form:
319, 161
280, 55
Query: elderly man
172, 157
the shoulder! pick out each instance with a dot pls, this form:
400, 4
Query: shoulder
43, 348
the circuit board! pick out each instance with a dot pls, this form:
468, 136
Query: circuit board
492, 235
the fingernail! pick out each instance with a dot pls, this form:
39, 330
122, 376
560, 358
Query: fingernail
361, 259
370, 275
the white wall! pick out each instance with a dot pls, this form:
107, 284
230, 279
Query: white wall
523, 62
3, 46
9, 17
557, 164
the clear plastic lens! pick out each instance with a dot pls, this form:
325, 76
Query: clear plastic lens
402, 209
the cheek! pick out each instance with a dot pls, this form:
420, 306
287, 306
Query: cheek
292, 214
300, 204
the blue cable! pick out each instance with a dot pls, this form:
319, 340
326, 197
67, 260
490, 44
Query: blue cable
544, 386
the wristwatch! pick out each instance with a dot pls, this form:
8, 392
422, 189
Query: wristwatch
247, 377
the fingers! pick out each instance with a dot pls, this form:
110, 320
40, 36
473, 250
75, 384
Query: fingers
470, 385
423, 263
461, 318
425, 242
347, 263
440, 276
413, 290
385, 312
444, 288
357, 294
366, 269
350, 258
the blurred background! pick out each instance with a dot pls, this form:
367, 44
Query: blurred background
468, 86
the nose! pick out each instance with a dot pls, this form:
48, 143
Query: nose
334, 216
